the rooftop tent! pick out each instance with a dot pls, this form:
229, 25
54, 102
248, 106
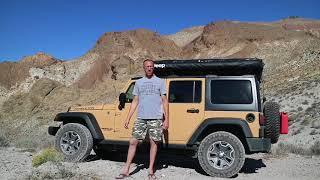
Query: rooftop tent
202, 67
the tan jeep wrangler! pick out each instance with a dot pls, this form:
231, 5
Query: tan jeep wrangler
215, 110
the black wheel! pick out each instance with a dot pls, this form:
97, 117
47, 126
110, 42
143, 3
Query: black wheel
74, 141
272, 122
221, 154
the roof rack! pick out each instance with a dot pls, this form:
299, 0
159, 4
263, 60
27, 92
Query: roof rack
203, 67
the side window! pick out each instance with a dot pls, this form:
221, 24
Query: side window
129, 93
231, 92
185, 92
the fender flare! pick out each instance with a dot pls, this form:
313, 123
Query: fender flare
87, 118
242, 124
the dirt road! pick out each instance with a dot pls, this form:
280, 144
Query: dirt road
16, 164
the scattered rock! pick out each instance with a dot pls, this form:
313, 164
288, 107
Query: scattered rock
51, 170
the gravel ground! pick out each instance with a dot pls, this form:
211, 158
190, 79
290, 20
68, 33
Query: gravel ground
16, 164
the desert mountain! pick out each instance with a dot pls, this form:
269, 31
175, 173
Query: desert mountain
13, 73
122, 53
34, 89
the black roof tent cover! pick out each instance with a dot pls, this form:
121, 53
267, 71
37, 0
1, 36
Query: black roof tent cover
202, 67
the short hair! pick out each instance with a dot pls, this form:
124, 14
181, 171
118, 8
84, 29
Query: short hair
150, 60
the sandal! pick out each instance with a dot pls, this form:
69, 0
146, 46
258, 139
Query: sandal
122, 176
152, 177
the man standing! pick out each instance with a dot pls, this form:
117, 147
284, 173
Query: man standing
150, 97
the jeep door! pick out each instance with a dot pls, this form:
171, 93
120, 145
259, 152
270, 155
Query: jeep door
120, 132
186, 108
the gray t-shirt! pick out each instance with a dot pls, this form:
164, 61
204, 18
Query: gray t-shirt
149, 92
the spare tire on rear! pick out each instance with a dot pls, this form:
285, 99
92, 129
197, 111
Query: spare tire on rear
272, 121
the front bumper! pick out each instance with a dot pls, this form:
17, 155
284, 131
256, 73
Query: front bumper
259, 144
52, 130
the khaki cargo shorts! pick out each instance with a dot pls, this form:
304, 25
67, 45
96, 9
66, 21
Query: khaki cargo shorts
142, 127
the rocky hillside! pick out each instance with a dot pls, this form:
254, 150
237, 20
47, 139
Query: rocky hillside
186, 36
14, 73
121, 53
35, 88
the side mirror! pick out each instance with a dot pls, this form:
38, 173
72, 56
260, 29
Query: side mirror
122, 100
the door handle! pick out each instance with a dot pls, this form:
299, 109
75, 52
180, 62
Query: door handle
192, 110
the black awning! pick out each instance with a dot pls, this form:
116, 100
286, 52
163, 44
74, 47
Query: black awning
202, 67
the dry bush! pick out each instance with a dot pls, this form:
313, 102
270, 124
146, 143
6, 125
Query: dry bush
3, 141
55, 170
298, 131
315, 148
283, 149
305, 122
292, 117
26, 143
313, 132
49, 154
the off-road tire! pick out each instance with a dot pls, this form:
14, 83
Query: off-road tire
272, 121
238, 154
83, 138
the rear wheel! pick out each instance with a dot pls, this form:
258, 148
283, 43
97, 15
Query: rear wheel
74, 141
221, 154
272, 123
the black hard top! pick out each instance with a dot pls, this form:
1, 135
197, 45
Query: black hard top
203, 67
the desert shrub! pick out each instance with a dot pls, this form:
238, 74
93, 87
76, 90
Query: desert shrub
292, 117
283, 148
26, 143
49, 154
3, 141
300, 108
66, 173
310, 109
313, 132
305, 102
305, 122
54, 170
315, 148
298, 131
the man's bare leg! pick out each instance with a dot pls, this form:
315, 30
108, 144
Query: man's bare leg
153, 154
131, 153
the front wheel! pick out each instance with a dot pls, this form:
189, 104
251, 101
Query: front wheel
74, 141
221, 154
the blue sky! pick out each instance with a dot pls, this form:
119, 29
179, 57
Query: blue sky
67, 29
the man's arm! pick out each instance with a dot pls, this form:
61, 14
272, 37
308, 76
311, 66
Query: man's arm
166, 111
133, 107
